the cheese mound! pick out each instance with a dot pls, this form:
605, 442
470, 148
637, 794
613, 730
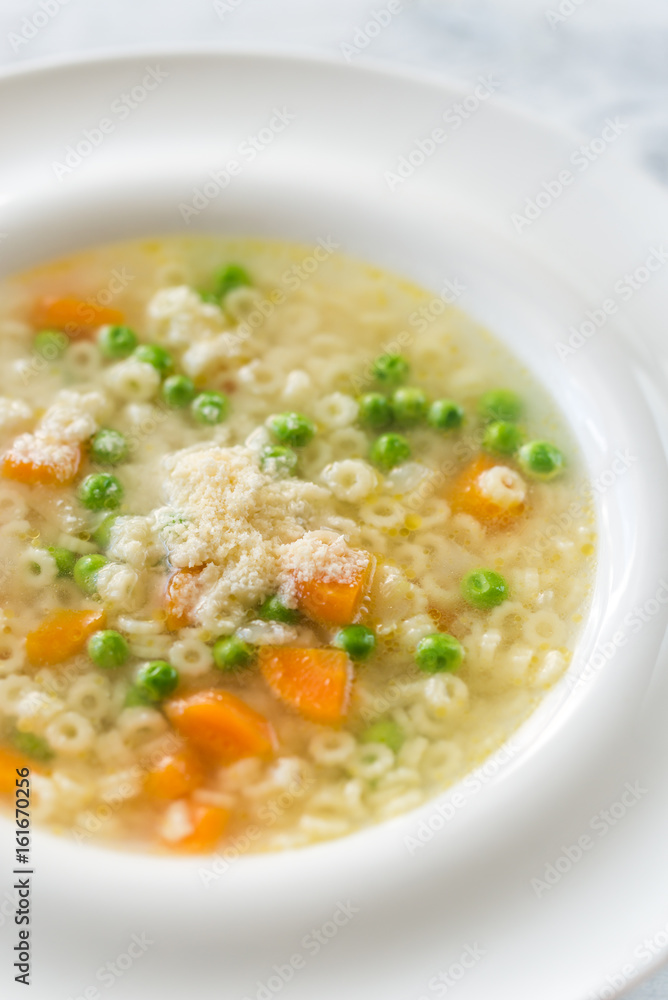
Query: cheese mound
226, 515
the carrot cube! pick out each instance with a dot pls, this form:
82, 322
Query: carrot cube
10, 763
331, 601
317, 682
208, 824
73, 315
181, 595
47, 463
175, 775
62, 634
467, 497
222, 725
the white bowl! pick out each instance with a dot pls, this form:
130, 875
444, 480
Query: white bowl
496, 899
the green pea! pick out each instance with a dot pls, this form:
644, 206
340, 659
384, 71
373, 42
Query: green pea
102, 534
100, 491
500, 404
391, 369
232, 653
274, 610
230, 277
484, 589
108, 649
357, 641
293, 429
503, 437
156, 680
409, 405
279, 461
32, 746
117, 342
375, 410
445, 415
389, 450
153, 354
541, 459
86, 570
439, 652
385, 731
108, 447
210, 407
63, 558
50, 344
178, 391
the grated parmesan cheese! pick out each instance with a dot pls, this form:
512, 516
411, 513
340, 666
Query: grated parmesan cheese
71, 419
252, 535
44, 452
322, 555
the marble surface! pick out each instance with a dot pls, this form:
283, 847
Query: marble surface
605, 57
575, 62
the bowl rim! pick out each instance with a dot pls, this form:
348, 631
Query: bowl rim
365, 66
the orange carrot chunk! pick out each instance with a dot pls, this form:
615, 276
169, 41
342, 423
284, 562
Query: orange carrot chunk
10, 762
181, 595
467, 497
62, 634
330, 601
208, 824
222, 725
73, 315
175, 775
317, 682
48, 464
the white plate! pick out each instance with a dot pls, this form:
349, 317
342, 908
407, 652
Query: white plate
463, 904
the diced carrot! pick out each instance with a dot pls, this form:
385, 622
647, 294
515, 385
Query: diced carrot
317, 682
10, 762
208, 824
73, 315
330, 601
465, 496
222, 725
181, 595
175, 775
48, 464
62, 634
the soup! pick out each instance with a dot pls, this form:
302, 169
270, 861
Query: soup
288, 545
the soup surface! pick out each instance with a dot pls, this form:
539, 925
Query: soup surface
287, 544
